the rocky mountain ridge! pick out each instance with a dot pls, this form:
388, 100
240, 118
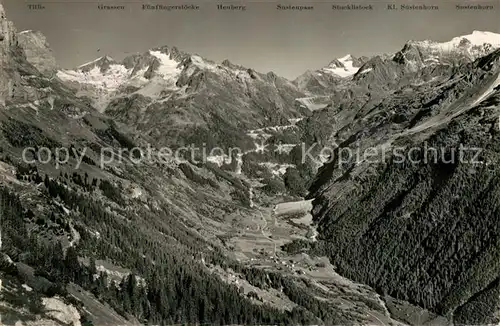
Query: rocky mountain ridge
38, 50
214, 97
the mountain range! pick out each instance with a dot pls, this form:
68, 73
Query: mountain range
264, 236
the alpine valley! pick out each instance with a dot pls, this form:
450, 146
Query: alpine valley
262, 236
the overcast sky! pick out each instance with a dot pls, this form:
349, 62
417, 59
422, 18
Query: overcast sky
261, 37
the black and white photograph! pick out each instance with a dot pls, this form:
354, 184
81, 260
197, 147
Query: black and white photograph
252, 162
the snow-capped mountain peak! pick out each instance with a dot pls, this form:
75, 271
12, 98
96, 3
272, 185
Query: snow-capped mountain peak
156, 75
168, 66
104, 76
345, 66
480, 37
347, 57
476, 38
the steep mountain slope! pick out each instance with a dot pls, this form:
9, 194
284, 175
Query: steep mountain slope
416, 213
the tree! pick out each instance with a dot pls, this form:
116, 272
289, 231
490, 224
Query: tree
294, 182
71, 264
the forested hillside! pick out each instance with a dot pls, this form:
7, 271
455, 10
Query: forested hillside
423, 225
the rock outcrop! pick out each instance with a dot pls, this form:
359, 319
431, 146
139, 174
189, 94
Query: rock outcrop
37, 51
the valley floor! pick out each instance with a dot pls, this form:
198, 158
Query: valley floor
256, 240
